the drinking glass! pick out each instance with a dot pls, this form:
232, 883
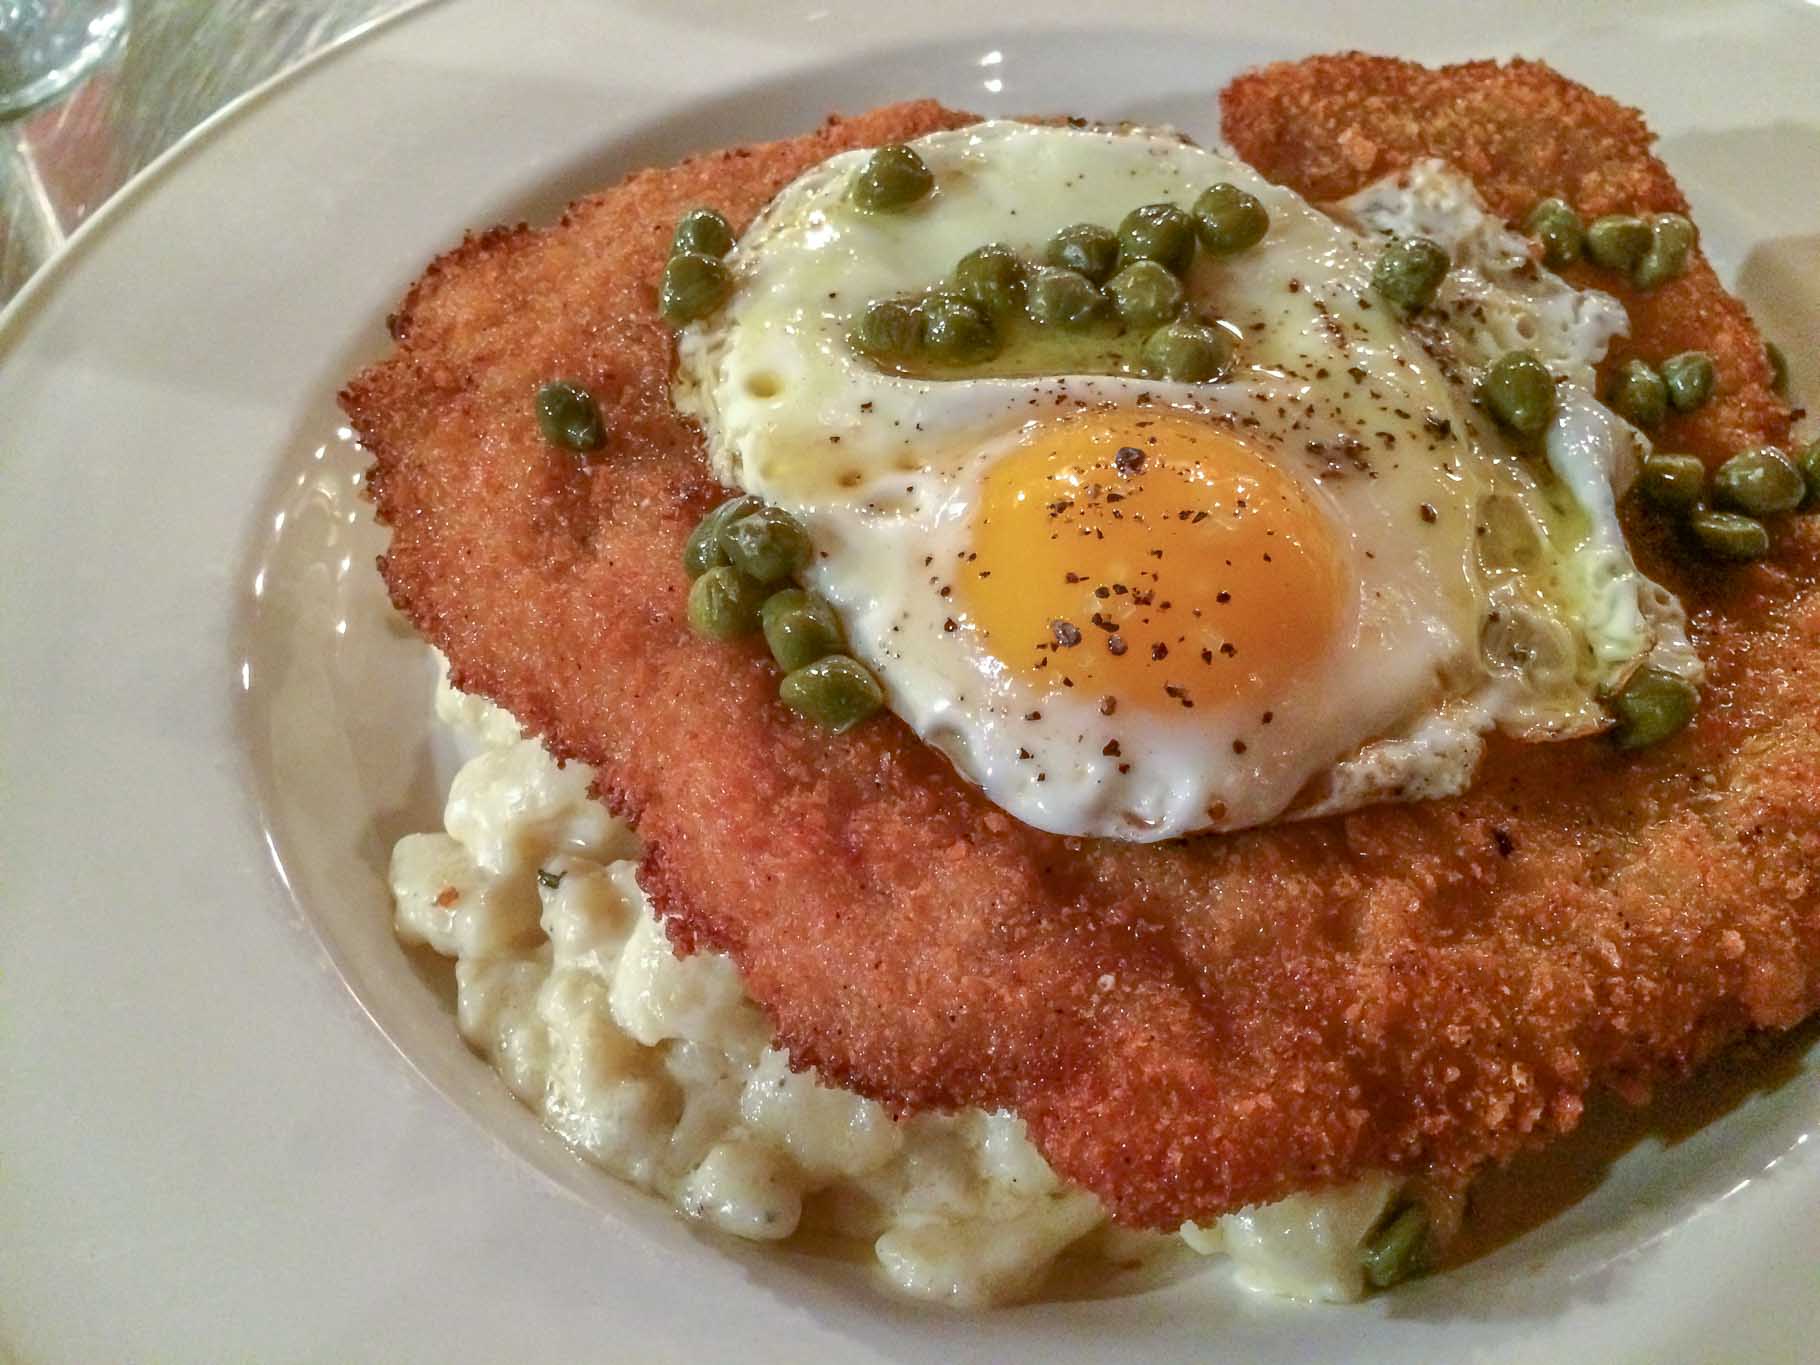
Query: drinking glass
46, 45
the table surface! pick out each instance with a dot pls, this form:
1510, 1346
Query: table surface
181, 61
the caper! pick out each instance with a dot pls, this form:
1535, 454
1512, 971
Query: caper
1399, 1250
1672, 482
568, 416
703, 551
888, 329
1188, 352
1553, 223
1617, 241
1761, 481
724, 603
1778, 369
1671, 239
893, 178
800, 627
1689, 377
1519, 392
693, 286
1057, 297
767, 544
835, 692
1085, 248
703, 231
1639, 394
1160, 233
1145, 294
1227, 219
1808, 462
1729, 535
1654, 705
955, 332
991, 278
1408, 272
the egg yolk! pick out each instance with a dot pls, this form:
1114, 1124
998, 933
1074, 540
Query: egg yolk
1150, 560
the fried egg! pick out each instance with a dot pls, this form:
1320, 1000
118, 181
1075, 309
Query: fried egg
1138, 609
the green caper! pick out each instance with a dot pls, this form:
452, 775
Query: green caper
893, 178
1689, 377
1520, 394
1672, 482
835, 692
1778, 369
1671, 239
767, 544
1056, 297
1188, 352
724, 603
1145, 294
991, 278
1227, 219
1085, 248
702, 230
1160, 233
1400, 1249
800, 627
955, 332
1729, 535
693, 286
1654, 705
703, 551
1617, 242
1408, 272
1808, 462
1554, 223
568, 416
1762, 481
888, 329
1639, 394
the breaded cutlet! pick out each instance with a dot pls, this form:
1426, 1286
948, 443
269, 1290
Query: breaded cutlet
1186, 1027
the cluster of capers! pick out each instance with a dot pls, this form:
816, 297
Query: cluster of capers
1645, 394
1089, 276
696, 280
1725, 514
742, 556
1648, 251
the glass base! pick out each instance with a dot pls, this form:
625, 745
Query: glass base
48, 45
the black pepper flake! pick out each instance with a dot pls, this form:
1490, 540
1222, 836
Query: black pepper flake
1112, 749
1229, 649
1222, 597
1033, 715
1115, 645
1128, 461
950, 625
549, 881
1159, 650
1066, 634
1022, 755
1238, 746
1506, 844
1108, 705
1429, 514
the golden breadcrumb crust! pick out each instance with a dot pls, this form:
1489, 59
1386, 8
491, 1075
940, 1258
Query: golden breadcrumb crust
1186, 1027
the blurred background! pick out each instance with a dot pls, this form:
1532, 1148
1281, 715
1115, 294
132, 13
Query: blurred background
179, 62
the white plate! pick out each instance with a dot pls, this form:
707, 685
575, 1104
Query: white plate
208, 1151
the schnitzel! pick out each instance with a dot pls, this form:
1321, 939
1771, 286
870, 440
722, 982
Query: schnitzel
1186, 1027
